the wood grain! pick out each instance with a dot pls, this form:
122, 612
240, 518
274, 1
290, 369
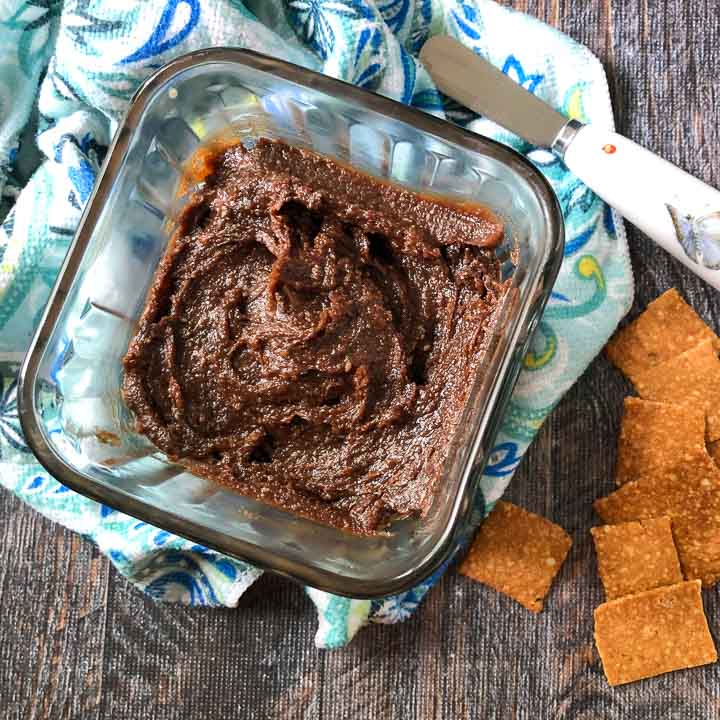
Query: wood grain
76, 641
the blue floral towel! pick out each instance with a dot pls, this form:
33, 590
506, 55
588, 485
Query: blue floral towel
76, 63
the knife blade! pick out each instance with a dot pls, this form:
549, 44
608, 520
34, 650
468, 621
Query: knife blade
461, 74
676, 210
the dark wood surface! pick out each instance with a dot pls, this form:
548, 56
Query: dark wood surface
76, 641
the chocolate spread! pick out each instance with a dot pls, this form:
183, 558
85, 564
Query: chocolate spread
312, 333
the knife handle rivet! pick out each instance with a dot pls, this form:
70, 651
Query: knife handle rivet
609, 148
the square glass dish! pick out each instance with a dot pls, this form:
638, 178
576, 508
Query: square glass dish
71, 407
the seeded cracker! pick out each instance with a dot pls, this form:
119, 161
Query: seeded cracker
655, 436
668, 327
636, 556
517, 553
654, 632
690, 497
692, 378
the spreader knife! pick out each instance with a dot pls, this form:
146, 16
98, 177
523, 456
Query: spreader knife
678, 211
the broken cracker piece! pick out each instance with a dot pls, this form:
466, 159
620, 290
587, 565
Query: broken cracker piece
690, 496
654, 632
692, 378
517, 553
668, 327
655, 436
636, 556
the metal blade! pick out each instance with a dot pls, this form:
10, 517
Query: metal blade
480, 86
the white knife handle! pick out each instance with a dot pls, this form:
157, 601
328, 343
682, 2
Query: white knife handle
676, 210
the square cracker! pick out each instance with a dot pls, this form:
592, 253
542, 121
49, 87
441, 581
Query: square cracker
636, 556
690, 497
654, 632
691, 378
517, 553
655, 436
668, 327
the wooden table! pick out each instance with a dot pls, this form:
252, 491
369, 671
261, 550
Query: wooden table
76, 641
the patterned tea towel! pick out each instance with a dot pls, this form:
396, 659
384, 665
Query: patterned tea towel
70, 67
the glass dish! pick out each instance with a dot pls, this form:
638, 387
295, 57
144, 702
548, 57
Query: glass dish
71, 407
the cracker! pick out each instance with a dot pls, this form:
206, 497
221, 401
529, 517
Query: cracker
690, 496
654, 632
692, 378
655, 436
668, 327
636, 556
517, 553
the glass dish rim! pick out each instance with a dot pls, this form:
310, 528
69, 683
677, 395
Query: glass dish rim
506, 370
